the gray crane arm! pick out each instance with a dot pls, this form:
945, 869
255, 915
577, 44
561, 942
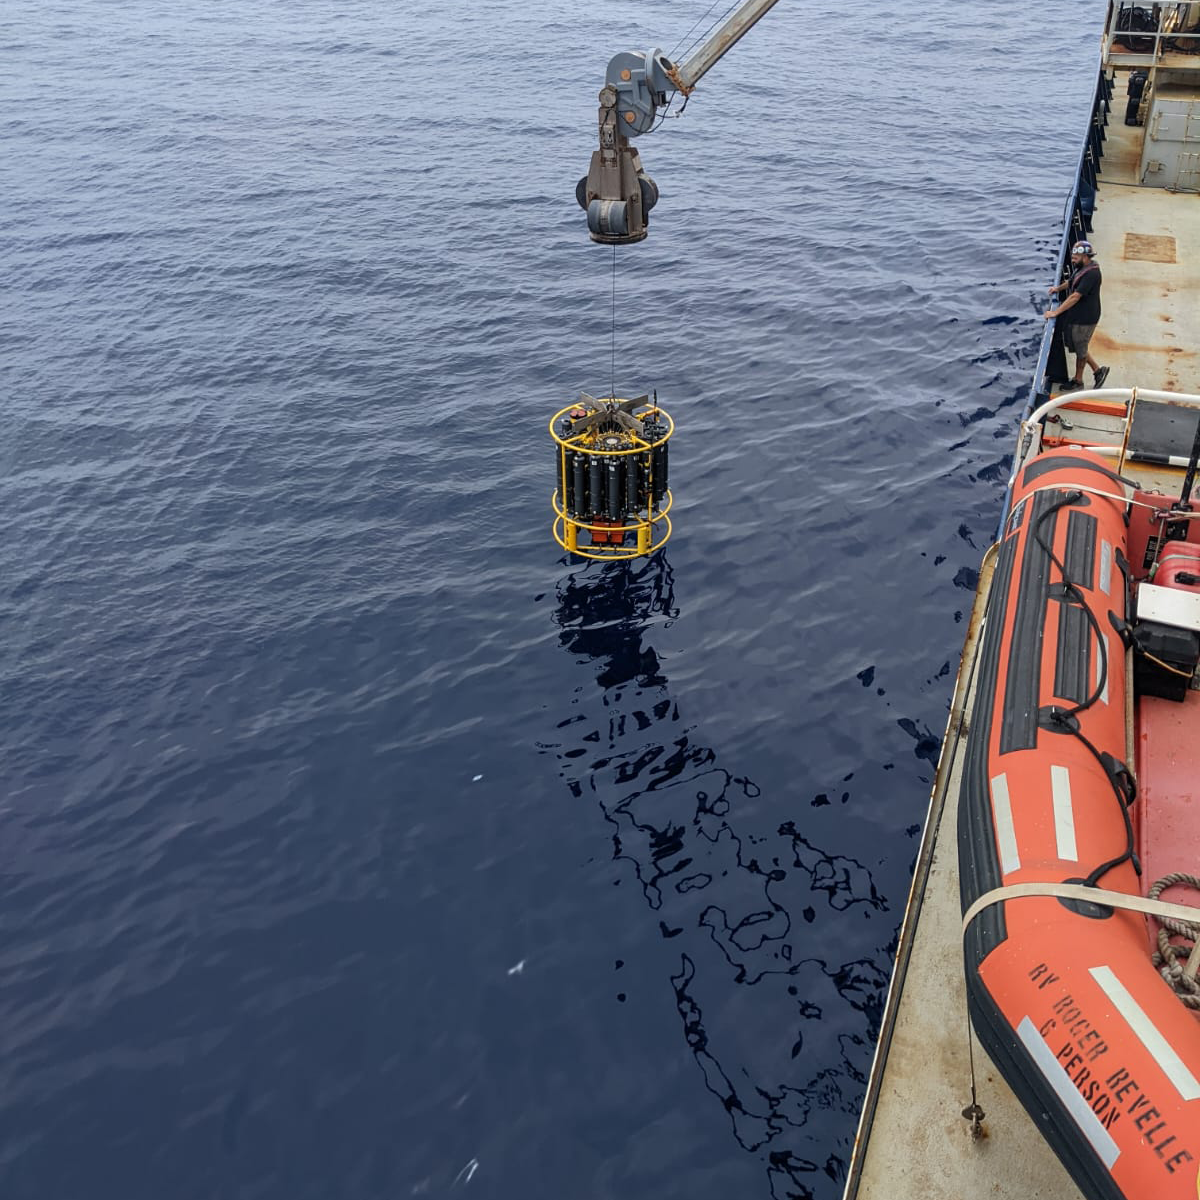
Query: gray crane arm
617, 194
688, 74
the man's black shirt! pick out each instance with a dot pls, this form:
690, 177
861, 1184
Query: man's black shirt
1085, 281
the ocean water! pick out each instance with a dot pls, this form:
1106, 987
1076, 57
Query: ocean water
356, 843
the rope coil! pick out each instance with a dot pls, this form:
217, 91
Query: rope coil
1177, 962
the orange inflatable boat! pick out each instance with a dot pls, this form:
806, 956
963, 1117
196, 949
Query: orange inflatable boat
1060, 983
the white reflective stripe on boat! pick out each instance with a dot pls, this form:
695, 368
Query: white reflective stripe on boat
1002, 818
1106, 561
1064, 815
1089, 1124
1103, 653
1161, 1050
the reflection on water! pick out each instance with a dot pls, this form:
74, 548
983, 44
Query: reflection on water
779, 1036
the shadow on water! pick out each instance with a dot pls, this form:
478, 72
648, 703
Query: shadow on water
753, 912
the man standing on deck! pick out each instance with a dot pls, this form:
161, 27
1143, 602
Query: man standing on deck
1081, 313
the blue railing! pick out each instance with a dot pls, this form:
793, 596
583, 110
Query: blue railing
1077, 224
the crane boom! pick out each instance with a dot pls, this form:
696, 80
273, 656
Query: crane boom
616, 192
721, 42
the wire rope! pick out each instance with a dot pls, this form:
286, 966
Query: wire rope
685, 50
612, 378
679, 44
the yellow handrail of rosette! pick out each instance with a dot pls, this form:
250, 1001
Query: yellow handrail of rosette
612, 497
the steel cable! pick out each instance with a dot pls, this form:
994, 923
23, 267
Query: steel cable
612, 377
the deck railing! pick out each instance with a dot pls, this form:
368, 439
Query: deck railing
1077, 224
1031, 426
1077, 216
1150, 34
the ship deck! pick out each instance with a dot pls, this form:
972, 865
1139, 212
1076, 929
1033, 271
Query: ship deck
913, 1142
918, 1145
1149, 330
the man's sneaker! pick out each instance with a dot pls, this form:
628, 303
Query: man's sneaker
1072, 385
1099, 376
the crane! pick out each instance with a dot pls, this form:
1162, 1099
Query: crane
616, 193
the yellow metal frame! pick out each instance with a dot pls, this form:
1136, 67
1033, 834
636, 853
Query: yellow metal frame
652, 531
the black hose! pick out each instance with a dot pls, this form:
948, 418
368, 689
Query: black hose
1065, 720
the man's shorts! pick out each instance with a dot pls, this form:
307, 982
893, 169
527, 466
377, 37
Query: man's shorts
1077, 337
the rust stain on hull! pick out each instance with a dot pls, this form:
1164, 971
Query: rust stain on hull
1158, 351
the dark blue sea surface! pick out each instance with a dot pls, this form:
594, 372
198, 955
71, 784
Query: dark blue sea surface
356, 843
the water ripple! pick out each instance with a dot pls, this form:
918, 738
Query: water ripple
309, 739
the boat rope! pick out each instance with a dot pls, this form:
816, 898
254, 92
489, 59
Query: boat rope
1127, 901
1164, 510
1177, 962
1058, 487
1182, 919
973, 1112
